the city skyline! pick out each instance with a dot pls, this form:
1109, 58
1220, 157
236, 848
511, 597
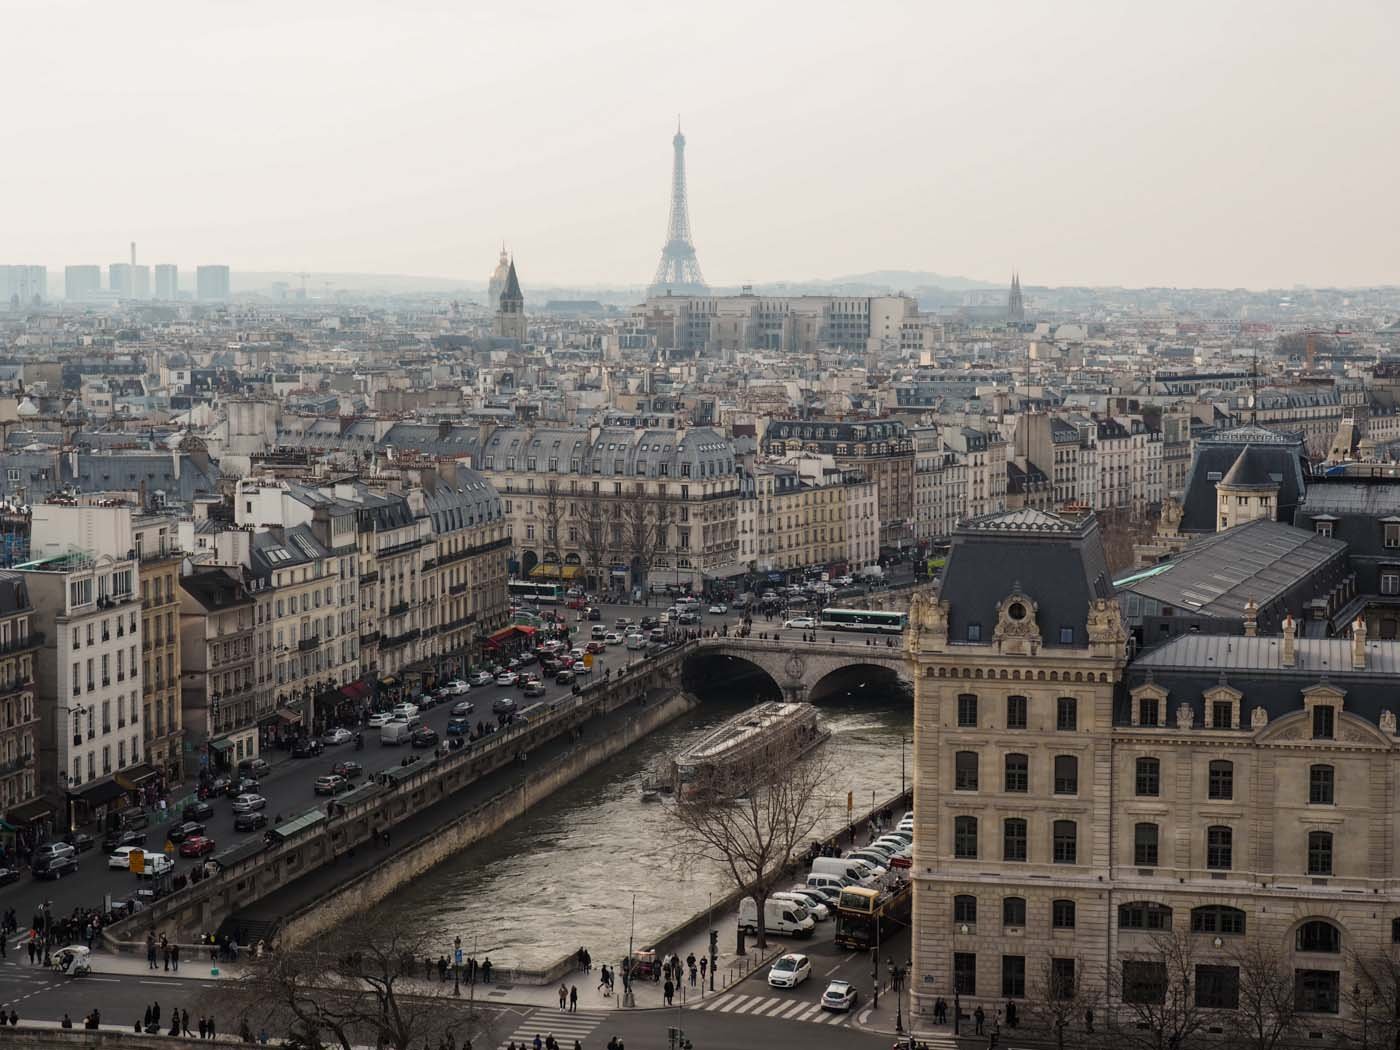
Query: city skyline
1241, 152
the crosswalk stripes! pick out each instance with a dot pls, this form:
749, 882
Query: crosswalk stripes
565, 1027
772, 1006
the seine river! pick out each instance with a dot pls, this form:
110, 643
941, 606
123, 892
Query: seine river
565, 874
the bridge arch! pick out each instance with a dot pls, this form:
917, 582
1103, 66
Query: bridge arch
708, 671
852, 677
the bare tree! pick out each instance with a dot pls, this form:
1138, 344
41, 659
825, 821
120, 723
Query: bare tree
637, 527
594, 517
550, 514
1063, 1004
1265, 1017
1374, 1000
1157, 993
751, 819
349, 988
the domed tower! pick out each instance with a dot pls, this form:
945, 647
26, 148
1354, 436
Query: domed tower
510, 311
1247, 491
497, 284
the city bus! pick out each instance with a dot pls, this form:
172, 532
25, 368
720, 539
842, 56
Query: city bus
864, 916
867, 620
544, 593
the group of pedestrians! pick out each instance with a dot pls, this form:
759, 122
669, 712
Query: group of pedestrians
548, 1042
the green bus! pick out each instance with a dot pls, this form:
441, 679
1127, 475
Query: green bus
867, 620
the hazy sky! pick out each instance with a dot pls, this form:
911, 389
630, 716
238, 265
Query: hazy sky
1220, 143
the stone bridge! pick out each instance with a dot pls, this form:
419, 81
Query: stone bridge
801, 670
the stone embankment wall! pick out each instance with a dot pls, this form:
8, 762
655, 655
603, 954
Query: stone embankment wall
23, 1038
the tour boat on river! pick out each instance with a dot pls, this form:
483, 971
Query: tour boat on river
773, 729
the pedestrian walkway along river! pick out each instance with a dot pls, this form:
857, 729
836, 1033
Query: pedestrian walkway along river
564, 875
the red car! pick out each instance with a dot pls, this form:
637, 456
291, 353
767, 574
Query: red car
596, 648
196, 846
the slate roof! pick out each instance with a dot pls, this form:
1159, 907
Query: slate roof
512, 289
1250, 471
1280, 453
14, 594
464, 503
1057, 562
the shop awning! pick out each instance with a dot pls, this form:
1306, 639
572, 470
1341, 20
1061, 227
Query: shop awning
29, 812
101, 793
726, 572
287, 715
507, 633
549, 571
354, 690
137, 776
221, 745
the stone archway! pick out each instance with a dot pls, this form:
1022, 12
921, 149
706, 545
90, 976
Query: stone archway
705, 672
853, 677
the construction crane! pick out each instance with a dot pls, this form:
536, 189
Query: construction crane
303, 277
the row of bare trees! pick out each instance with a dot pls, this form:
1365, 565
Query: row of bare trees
634, 529
1168, 997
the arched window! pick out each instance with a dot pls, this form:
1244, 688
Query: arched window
1222, 779
1066, 775
1319, 853
965, 771
965, 908
965, 838
1013, 839
1013, 911
1149, 777
1066, 842
1220, 848
1018, 776
1217, 918
1144, 915
1145, 845
1319, 935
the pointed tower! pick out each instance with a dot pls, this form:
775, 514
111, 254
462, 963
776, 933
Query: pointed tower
1247, 492
510, 309
679, 270
1015, 308
497, 284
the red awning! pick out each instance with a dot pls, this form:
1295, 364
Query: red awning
354, 690
505, 634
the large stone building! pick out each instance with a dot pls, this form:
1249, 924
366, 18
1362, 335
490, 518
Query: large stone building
157, 552
19, 732
1071, 806
217, 682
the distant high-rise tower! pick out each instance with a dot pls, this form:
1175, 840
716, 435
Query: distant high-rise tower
679, 271
1015, 307
167, 282
82, 283
119, 279
510, 308
497, 283
211, 284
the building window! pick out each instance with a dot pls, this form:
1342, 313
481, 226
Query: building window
1324, 722
1062, 979
1017, 773
1149, 777
1015, 712
1220, 848
1222, 714
1013, 839
1062, 915
965, 771
1066, 635
1221, 779
965, 838
967, 711
1217, 918
1218, 987
965, 973
1013, 911
965, 909
1144, 981
1322, 528
1067, 714
1390, 583
1392, 536
1316, 991
1013, 976
974, 632
1321, 786
1145, 845
1065, 840
1147, 711
1066, 775
1144, 915
1319, 853
1318, 935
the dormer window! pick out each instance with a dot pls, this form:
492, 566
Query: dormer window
1392, 535
1324, 722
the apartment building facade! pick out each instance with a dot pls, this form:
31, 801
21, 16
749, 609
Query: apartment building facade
156, 548
218, 678
19, 711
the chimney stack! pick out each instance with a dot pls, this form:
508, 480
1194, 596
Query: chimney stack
1288, 628
1358, 644
1251, 618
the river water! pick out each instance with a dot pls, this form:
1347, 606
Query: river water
566, 873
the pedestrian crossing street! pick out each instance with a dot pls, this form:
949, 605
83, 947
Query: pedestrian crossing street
565, 1027
772, 1006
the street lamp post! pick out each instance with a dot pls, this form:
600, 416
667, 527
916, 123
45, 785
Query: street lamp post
897, 975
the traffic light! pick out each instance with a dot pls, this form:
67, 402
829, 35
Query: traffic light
714, 943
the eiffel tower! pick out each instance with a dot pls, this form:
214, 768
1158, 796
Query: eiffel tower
679, 271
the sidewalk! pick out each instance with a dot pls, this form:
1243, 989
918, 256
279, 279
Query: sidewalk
881, 1021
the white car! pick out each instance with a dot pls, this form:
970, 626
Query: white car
839, 995
404, 710
844, 581
612, 638
121, 858
801, 623
479, 678
718, 609
816, 907
248, 803
380, 719
789, 971
507, 678
338, 736
457, 687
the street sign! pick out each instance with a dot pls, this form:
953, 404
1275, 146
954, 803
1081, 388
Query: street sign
136, 862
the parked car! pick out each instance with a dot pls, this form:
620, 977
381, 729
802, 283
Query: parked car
80, 841
330, 784
839, 995
254, 767
800, 623
425, 736
8, 875
249, 803
788, 971
196, 846
503, 705
534, 689
348, 770
120, 859
479, 678
198, 811
185, 830
457, 687
338, 735
115, 840
250, 821
380, 719
54, 860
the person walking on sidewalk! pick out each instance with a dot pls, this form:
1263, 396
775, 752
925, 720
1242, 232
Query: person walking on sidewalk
573, 999
668, 990
563, 997
978, 1017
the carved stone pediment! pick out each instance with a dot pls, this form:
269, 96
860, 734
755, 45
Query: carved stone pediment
1017, 630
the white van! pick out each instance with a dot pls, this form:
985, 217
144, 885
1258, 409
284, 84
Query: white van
779, 916
598, 632
843, 866
638, 641
398, 731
